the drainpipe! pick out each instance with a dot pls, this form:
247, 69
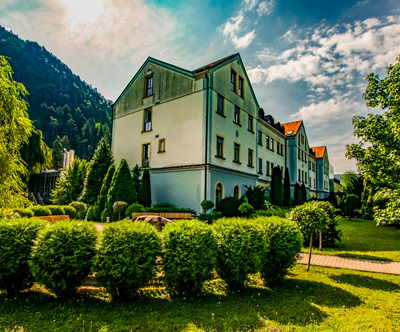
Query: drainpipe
112, 122
206, 147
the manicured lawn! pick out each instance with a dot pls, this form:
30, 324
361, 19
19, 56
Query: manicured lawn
363, 239
320, 300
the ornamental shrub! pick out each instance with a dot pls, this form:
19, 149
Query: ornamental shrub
17, 238
297, 194
56, 210
70, 211
207, 205
303, 192
63, 256
331, 233
144, 194
241, 248
276, 192
126, 257
80, 208
102, 198
286, 188
246, 210
106, 213
8, 213
229, 207
40, 210
25, 213
119, 207
189, 256
351, 204
135, 207
90, 214
256, 196
285, 242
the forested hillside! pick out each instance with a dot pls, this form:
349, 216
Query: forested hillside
60, 103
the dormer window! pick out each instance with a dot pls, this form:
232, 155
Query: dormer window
149, 86
290, 132
233, 81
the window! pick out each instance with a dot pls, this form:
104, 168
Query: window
309, 179
302, 138
147, 120
299, 139
325, 184
302, 176
272, 167
250, 127
220, 147
146, 155
305, 157
267, 142
272, 144
299, 153
161, 145
220, 105
309, 165
236, 118
218, 193
260, 137
267, 169
236, 191
233, 81
236, 153
259, 166
241, 84
305, 177
149, 86
250, 159
315, 183
299, 176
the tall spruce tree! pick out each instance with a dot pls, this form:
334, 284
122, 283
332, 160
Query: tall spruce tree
58, 153
276, 187
102, 198
144, 197
303, 193
97, 170
286, 189
297, 194
136, 174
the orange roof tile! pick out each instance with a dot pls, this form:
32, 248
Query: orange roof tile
319, 151
292, 126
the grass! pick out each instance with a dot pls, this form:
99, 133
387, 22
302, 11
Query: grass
320, 300
363, 239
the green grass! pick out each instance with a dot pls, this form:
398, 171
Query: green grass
320, 300
363, 239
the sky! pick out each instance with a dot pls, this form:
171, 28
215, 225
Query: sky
307, 60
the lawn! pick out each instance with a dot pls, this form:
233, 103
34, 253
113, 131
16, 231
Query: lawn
321, 300
363, 239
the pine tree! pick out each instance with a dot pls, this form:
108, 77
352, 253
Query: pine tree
286, 189
97, 170
58, 153
276, 187
136, 173
102, 198
144, 196
303, 193
297, 194
65, 143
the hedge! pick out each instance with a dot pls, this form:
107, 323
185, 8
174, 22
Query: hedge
70, 211
56, 210
40, 210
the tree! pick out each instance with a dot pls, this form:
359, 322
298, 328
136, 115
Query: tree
136, 174
276, 193
286, 189
351, 203
15, 129
367, 200
65, 143
352, 183
58, 153
297, 194
303, 192
256, 196
96, 172
144, 196
102, 198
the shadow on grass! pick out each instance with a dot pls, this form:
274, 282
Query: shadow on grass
366, 282
362, 256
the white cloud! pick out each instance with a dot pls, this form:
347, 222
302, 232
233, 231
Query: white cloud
265, 7
244, 41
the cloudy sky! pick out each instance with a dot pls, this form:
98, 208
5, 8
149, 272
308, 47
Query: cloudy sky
306, 59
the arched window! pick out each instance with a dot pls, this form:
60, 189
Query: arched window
236, 191
218, 193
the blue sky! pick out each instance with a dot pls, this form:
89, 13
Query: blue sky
306, 59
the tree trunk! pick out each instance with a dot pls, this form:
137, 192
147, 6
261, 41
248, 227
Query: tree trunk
309, 253
320, 241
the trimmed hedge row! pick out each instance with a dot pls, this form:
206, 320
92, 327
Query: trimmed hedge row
124, 259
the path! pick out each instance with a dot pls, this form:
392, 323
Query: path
351, 263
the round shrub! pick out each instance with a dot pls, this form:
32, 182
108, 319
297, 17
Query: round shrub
90, 214
135, 207
80, 208
330, 233
17, 239
63, 256
25, 213
126, 257
207, 205
56, 210
241, 248
119, 208
285, 242
229, 207
70, 211
246, 210
189, 256
40, 211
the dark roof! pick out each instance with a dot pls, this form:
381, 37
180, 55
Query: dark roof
213, 64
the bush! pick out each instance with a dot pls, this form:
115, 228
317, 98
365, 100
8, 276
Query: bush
119, 208
127, 257
246, 210
285, 242
256, 196
229, 206
351, 204
167, 207
189, 256
90, 214
135, 207
8, 213
330, 234
272, 213
207, 205
56, 210
80, 208
17, 238
144, 194
63, 256
106, 213
241, 248
70, 211
40, 211
25, 213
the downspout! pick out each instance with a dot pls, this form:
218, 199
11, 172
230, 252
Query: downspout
112, 122
206, 146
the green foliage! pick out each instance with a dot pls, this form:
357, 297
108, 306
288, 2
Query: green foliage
387, 211
8, 214
332, 198
144, 196
303, 192
15, 131
285, 242
352, 183
90, 214
126, 257
136, 174
246, 210
310, 217
207, 205
79, 206
276, 193
367, 201
58, 153
56, 210
241, 248
189, 256
256, 196
63, 256
40, 211
120, 207
297, 194
25, 213
351, 204
167, 207
229, 206
96, 172
272, 213
17, 238
209, 218
135, 207
70, 211
286, 188
102, 198
331, 233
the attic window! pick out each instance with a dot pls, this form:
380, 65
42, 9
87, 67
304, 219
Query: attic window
290, 132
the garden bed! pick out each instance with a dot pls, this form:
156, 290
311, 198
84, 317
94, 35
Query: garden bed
52, 218
167, 215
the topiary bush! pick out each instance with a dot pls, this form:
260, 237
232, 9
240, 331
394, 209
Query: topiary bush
40, 211
63, 256
330, 233
229, 207
189, 256
135, 207
285, 243
246, 210
126, 257
80, 208
119, 207
25, 213
90, 214
17, 239
70, 211
207, 205
241, 248
56, 210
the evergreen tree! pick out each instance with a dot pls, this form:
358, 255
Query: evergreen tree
102, 198
136, 174
367, 201
276, 193
286, 189
297, 194
58, 153
303, 193
97, 170
144, 197
332, 199
65, 143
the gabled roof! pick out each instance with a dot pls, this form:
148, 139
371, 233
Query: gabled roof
291, 128
319, 151
213, 64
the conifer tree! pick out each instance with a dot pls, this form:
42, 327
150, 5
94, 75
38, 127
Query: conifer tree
297, 194
96, 172
58, 153
303, 193
136, 173
144, 197
102, 198
276, 187
286, 189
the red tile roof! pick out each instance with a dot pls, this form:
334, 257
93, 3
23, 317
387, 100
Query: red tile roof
292, 126
213, 64
319, 151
